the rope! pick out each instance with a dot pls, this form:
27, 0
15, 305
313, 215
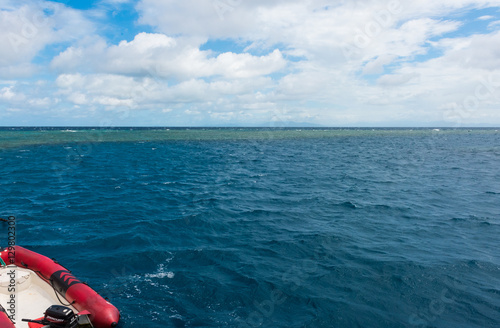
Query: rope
57, 295
51, 284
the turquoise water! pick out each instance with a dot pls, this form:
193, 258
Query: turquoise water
266, 227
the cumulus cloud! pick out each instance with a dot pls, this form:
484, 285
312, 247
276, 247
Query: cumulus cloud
333, 62
7, 93
166, 57
133, 92
27, 29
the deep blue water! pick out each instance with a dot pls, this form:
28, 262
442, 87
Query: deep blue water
342, 228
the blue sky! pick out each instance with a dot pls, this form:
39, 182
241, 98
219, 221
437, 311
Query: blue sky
239, 62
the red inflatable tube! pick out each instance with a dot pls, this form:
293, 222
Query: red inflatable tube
102, 313
4, 319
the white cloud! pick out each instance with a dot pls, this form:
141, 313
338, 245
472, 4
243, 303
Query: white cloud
166, 57
478, 51
376, 66
461, 86
41, 102
116, 1
145, 92
78, 98
6, 93
413, 90
17, 96
24, 33
396, 79
77, 86
12, 95
486, 17
494, 24
199, 18
27, 29
328, 62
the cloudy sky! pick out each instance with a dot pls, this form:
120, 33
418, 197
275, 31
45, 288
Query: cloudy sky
249, 62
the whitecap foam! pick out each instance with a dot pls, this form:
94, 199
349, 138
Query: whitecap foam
161, 273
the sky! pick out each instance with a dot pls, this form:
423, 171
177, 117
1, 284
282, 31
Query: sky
250, 63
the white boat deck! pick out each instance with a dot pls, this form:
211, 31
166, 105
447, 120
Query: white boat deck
32, 295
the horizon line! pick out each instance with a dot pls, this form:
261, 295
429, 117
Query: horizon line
252, 127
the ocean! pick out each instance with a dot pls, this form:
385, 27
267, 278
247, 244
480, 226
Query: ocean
275, 228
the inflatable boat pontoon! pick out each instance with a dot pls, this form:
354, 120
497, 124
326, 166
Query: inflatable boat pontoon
38, 289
